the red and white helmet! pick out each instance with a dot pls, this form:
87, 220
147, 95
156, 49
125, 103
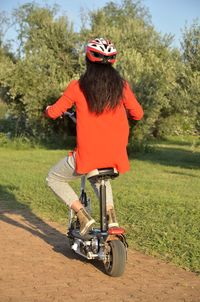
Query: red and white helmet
101, 50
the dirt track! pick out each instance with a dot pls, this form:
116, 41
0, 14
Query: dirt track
36, 265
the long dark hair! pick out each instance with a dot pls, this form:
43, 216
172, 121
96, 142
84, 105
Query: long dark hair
102, 86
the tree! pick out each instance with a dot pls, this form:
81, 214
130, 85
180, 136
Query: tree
191, 83
6, 56
50, 54
191, 46
144, 57
47, 61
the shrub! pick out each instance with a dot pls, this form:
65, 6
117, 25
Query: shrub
176, 124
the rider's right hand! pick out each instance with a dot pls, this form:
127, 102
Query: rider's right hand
45, 112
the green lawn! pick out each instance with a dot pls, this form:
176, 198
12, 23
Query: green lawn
158, 201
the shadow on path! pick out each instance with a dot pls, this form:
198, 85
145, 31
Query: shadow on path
35, 225
31, 222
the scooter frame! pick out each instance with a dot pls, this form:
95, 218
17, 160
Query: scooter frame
99, 242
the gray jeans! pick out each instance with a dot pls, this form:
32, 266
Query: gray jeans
65, 171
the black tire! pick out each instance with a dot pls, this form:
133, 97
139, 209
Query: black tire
116, 258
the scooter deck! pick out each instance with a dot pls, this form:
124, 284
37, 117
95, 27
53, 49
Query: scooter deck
93, 233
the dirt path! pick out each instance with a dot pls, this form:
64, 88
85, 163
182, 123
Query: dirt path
36, 265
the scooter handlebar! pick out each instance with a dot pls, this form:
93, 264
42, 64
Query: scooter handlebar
71, 115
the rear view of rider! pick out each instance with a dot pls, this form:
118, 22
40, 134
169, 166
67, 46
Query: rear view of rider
101, 97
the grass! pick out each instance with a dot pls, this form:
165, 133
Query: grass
158, 201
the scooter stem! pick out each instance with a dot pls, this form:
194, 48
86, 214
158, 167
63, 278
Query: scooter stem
104, 226
83, 179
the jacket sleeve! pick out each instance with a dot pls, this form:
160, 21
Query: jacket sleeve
65, 102
131, 104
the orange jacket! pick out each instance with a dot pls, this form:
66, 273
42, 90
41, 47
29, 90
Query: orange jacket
102, 139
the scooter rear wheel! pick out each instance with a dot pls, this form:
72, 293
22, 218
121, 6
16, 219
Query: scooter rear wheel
115, 258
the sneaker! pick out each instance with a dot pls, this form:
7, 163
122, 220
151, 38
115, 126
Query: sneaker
86, 221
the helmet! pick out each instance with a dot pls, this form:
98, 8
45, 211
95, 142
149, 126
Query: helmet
101, 50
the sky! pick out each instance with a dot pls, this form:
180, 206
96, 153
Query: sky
168, 16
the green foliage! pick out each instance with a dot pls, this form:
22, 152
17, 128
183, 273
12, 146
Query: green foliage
154, 69
165, 80
3, 109
46, 64
191, 81
18, 143
176, 124
191, 46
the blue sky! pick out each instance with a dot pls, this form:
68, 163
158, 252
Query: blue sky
168, 16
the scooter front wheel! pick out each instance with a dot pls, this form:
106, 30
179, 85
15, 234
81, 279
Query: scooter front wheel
115, 258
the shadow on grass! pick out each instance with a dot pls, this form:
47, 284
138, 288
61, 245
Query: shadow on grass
171, 156
35, 225
179, 141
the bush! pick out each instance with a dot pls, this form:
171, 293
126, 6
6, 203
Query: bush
18, 143
139, 145
3, 109
176, 124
